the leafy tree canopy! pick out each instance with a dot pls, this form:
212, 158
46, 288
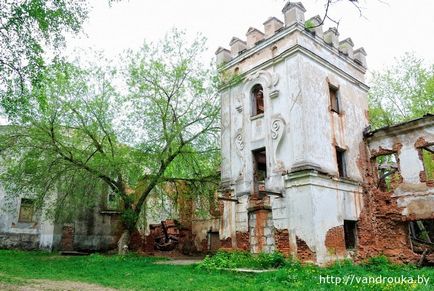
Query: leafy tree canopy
27, 29
402, 92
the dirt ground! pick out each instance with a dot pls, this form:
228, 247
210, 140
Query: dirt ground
39, 285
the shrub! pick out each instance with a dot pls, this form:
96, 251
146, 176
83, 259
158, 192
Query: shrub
242, 259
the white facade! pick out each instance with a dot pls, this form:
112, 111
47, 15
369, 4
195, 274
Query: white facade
38, 233
303, 191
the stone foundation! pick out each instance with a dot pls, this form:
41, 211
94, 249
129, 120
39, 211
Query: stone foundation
19, 241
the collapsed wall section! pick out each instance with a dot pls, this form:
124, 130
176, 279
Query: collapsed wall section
399, 194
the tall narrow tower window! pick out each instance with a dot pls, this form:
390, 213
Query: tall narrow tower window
257, 100
340, 160
259, 169
334, 98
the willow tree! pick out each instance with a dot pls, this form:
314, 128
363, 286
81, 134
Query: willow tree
401, 92
159, 125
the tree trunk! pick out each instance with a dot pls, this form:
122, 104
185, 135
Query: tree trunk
123, 242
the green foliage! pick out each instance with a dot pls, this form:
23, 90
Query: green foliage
377, 264
83, 135
129, 217
51, 143
242, 259
308, 24
28, 29
428, 163
401, 92
226, 78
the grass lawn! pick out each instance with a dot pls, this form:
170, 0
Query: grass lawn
139, 273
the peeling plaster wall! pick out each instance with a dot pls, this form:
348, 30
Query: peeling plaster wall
301, 80
415, 198
200, 229
14, 234
92, 230
299, 133
317, 204
227, 222
327, 129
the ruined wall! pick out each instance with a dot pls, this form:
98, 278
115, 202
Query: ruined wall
34, 234
96, 231
383, 226
200, 232
261, 227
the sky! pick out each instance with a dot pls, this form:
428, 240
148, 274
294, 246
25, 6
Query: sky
386, 29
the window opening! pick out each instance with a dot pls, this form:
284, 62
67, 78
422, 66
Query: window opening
258, 100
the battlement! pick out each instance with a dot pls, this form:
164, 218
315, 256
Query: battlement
294, 19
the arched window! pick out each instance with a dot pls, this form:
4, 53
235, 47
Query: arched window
257, 100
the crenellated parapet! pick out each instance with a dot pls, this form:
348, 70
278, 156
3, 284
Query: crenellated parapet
294, 20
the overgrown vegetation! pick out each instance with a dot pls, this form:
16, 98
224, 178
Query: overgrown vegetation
240, 259
140, 273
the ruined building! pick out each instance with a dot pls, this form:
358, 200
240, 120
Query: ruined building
299, 171
24, 226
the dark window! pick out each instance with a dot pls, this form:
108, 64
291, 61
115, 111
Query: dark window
334, 98
350, 232
257, 100
340, 159
26, 210
259, 169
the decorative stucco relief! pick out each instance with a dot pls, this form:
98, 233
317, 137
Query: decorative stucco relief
239, 142
239, 145
270, 79
278, 125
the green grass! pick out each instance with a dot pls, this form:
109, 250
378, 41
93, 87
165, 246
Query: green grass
139, 273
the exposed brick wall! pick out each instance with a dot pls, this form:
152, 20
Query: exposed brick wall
260, 224
186, 244
335, 241
136, 241
304, 253
149, 241
281, 239
204, 245
381, 228
226, 243
243, 240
